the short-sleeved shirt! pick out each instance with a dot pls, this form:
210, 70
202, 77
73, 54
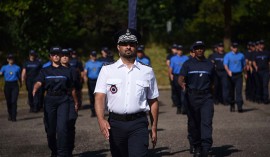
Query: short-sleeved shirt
93, 68
143, 60
32, 68
56, 78
177, 62
198, 74
11, 72
235, 61
262, 60
218, 58
49, 63
127, 90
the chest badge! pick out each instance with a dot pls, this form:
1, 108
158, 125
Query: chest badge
11, 73
113, 89
200, 74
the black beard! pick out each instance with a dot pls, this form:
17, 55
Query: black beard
130, 56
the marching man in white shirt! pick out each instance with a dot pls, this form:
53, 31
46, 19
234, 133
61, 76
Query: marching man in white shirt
128, 90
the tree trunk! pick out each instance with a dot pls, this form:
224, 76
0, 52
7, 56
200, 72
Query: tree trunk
227, 26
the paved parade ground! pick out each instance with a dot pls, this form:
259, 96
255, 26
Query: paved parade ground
235, 134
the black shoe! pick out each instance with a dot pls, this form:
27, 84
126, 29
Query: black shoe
204, 154
266, 102
13, 120
191, 149
178, 111
197, 153
232, 108
240, 110
9, 118
53, 155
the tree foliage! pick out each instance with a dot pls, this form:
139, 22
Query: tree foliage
90, 24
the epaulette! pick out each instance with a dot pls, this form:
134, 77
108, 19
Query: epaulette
108, 63
145, 64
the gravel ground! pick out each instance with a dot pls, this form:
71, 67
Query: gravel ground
235, 134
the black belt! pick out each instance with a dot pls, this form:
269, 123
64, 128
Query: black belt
238, 73
126, 117
195, 91
57, 93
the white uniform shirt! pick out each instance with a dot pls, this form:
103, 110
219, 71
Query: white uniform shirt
127, 90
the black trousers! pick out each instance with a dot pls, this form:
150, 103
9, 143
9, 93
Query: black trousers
180, 99
200, 113
34, 102
221, 86
129, 138
91, 88
250, 86
235, 88
71, 126
11, 91
173, 93
56, 116
263, 78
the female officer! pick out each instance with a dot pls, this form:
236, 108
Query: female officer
73, 109
57, 81
12, 75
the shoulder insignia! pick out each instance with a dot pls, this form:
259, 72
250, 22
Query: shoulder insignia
145, 64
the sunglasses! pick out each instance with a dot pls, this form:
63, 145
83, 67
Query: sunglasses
131, 44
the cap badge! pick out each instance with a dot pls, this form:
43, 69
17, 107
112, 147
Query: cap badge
113, 89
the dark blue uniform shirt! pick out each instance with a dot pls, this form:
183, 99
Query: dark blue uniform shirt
105, 60
262, 60
56, 78
198, 74
32, 68
218, 61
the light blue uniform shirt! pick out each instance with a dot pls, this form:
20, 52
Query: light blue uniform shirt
235, 61
143, 60
93, 68
11, 72
176, 63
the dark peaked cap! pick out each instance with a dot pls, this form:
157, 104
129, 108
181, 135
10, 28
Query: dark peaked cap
127, 35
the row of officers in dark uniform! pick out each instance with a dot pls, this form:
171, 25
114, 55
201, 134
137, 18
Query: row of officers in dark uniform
191, 78
230, 68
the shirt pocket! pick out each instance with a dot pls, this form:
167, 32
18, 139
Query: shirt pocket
113, 87
141, 88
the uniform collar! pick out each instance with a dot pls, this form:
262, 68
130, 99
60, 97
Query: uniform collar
120, 64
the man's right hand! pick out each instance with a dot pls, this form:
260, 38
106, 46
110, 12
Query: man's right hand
104, 128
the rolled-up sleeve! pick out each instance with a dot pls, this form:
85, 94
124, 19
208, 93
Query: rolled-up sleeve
153, 88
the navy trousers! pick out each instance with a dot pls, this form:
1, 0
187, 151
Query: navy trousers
263, 88
71, 126
201, 111
221, 85
180, 99
11, 91
91, 88
129, 138
56, 116
235, 87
